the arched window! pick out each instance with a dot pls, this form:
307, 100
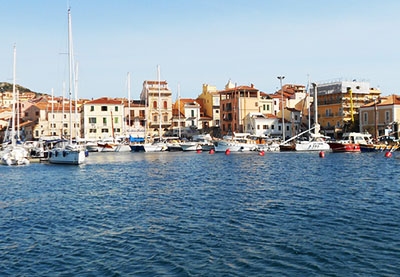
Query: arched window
155, 104
165, 104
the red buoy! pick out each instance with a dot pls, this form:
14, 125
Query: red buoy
198, 150
261, 153
322, 154
388, 154
212, 151
227, 151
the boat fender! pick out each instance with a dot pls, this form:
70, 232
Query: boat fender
49, 154
227, 151
64, 153
56, 153
322, 154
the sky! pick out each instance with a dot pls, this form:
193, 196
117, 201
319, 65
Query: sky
198, 42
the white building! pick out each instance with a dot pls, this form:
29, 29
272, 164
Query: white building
103, 118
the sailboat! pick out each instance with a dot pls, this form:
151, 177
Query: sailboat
67, 151
159, 145
317, 141
14, 154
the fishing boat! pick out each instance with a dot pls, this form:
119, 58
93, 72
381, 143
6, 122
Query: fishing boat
67, 151
350, 142
13, 153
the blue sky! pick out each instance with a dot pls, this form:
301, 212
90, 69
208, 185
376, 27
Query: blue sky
200, 41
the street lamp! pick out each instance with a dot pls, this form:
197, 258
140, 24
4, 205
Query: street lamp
283, 108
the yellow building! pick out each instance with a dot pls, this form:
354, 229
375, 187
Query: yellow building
209, 99
339, 103
381, 117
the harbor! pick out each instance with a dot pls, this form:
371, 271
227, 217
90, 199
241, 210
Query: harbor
189, 214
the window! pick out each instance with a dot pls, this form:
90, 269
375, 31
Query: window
103, 108
272, 126
105, 120
116, 108
165, 104
92, 131
258, 127
154, 104
365, 117
387, 116
155, 118
37, 113
92, 108
92, 120
65, 125
192, 113
165, 118
65, 116
116, 120
104, 130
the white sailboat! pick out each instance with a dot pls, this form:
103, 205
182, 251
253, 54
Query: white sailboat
14, 154
68, 152
317, 142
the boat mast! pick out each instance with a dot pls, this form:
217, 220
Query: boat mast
77, 135
159, 101
70, 72
13, 142
179, 111
129, 101
52, 113
316, 124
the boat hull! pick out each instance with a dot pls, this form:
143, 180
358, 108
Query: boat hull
312, 146
137, 147
66, 156
344, 147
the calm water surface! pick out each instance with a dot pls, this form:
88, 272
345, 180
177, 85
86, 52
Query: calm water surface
189, 214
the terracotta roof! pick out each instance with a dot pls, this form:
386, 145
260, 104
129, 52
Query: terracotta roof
106, 100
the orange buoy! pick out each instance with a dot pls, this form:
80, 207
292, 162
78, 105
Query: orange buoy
388, 154
227, 151
322, 154
261, 153
198, 150
212, 151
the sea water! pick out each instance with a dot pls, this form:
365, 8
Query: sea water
201, 214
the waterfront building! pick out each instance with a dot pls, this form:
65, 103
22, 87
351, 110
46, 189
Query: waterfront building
236, 102
339, 102
52, 119
381, 117
262, 125
210, 105
158, 99
103, 118
187, 116
134, 118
